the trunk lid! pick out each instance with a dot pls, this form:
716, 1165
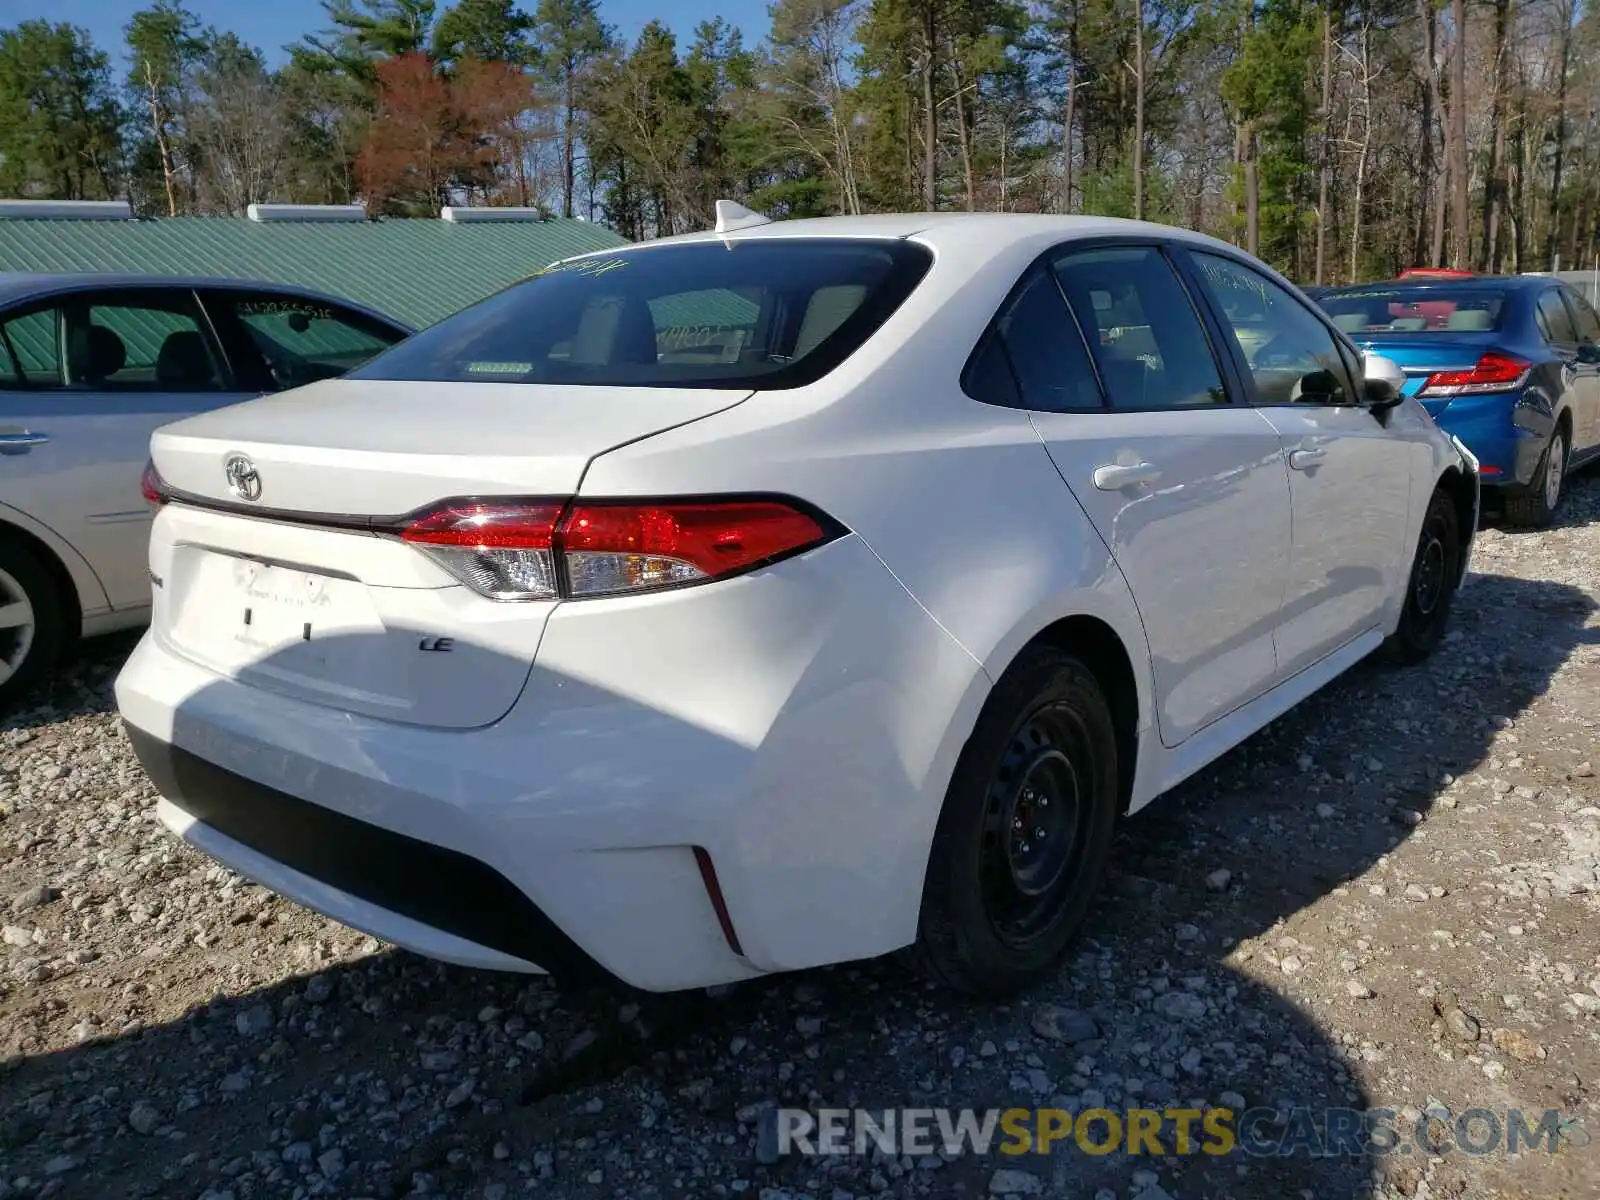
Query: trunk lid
322, 608
1420, 355
381, 448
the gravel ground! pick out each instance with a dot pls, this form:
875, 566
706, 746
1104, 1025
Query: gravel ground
1388, 898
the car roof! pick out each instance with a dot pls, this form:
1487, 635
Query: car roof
17, 286
996, 229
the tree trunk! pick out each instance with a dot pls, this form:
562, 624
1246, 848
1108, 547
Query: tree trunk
930, 117
568, 156
1252, 190
1461, 235
158, 126
1493, 183
1138, 110
1363, 150
1070, 119
1564, 11
964, 140
1428, 250
1324, 151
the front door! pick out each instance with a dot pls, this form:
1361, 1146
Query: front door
1349, 480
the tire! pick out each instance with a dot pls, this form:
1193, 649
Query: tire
29, 648
1001, 903
1431, 586
1536, 507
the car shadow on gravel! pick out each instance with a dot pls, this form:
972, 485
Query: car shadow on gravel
320, 1067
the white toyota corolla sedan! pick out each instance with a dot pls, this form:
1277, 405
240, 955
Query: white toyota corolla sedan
781, 595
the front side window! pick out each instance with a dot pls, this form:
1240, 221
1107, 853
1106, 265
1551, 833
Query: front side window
759, 313
302, 339
1291, 355
1146, 338
1584, 318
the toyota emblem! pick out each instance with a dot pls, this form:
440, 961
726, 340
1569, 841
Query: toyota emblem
244, 481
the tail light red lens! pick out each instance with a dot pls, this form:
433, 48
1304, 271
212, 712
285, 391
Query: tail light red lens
542, 550
611, 548
1494, 372
153, 487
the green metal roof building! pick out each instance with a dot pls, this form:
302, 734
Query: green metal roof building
415, 270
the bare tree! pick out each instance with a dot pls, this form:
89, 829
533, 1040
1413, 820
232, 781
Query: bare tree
240, 130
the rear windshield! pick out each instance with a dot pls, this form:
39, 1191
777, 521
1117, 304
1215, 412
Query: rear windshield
1415, 309
756, 313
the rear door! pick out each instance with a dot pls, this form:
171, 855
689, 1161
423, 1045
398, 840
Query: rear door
280, 340
91, 375
1349, 480
1185, 486
1586, 374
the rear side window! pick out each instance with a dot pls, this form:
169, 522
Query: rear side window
1553, 319
758, 313
1035, 338
1144, 333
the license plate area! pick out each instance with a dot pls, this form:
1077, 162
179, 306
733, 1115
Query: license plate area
233, 612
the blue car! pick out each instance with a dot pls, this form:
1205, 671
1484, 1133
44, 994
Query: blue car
1510, 365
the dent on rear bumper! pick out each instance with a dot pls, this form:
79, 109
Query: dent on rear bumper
799, 723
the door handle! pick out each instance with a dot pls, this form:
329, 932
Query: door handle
22, 442
1304, 460
1114, 476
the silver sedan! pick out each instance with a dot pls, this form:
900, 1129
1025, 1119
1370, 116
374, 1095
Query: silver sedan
90, 365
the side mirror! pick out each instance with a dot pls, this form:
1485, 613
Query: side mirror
1383, 381
1588, 353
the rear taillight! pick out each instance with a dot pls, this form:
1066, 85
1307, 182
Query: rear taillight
502, 550
1494, 372
542, 550
152, 485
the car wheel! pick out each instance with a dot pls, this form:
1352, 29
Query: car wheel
1025, 833
1537, 506
30, 621
1435, 574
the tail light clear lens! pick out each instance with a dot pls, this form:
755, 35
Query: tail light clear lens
514, 550
502, 550
1494, 372
152, 485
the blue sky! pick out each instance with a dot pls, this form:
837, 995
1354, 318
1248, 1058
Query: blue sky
273, 24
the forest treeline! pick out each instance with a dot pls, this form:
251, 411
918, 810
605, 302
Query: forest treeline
1339, 140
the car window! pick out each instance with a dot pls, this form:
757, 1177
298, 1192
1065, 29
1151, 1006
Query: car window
32, 345
304, 339
1584, 318
1146, 338
1553, 319
1413, 308
1046, 350
989, 377
1291, 354
762, 313
124, 343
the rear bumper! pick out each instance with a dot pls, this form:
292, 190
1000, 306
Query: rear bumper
796, 726
392, 886
1508, 449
